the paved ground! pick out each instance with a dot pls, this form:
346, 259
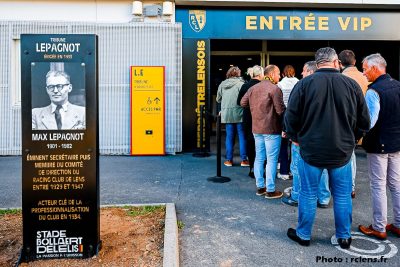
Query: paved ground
225, 224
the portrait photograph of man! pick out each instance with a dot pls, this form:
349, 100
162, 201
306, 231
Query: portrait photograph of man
58, 96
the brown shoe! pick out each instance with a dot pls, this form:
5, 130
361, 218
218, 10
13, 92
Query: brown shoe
353, 194
245, 163
228, 163
272, 195
261, 191
372, 232
393, 229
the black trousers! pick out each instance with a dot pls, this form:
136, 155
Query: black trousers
250, 144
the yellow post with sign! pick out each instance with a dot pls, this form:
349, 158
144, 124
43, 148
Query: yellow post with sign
147, 110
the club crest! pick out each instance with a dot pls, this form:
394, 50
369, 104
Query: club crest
197, 19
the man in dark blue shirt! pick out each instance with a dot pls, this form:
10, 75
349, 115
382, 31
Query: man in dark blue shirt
382, 144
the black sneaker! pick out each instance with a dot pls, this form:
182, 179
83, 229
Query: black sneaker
344, 243
251, 174
322, 206
289, 201
261, 191
291, 233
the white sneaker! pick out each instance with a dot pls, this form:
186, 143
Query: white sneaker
288, 191
278, 167
283, 176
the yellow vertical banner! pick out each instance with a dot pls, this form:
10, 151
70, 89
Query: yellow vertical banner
147, 110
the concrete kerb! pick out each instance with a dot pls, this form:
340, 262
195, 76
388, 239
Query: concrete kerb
171, 246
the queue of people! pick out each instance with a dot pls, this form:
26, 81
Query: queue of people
320, 119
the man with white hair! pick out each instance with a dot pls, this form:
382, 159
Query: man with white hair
257, 74
382, 144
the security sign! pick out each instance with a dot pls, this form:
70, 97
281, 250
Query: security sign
147, 110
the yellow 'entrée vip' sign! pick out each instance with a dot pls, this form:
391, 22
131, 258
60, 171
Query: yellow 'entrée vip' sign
147, 110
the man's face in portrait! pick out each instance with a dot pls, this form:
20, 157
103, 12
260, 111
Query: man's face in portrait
58, 88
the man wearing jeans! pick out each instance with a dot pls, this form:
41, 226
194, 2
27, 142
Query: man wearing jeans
266, 106
326, 114
324, 194
247, 121
382, 144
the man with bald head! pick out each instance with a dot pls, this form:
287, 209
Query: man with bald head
266, 106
